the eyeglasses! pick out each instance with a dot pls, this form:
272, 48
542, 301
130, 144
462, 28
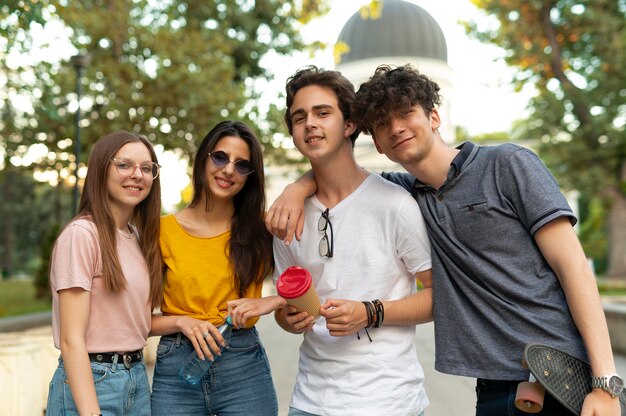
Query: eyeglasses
326, 248
127, 167
221, 159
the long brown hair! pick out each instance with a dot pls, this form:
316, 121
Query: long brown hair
94, 205
250, 245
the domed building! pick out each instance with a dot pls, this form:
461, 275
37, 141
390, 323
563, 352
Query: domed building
394, 32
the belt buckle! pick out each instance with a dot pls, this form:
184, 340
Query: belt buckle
126, 358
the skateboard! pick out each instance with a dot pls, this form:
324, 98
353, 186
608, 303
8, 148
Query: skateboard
566, 378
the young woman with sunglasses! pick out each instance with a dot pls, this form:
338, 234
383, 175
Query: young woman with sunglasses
215, 250
105, 276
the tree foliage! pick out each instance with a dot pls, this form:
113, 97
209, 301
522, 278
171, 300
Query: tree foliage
169, 70
574, 53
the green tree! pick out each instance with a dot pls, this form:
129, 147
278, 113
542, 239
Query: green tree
16, 182
19, 14
574, 53
169, 70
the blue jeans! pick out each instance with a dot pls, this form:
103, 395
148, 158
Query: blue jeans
497, 398
296, 412
120, 391
239, 382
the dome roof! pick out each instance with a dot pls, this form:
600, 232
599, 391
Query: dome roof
390, 28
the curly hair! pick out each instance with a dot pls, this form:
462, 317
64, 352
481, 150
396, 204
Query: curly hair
312, 75
390, 91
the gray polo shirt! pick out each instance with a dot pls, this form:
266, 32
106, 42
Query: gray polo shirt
493, 290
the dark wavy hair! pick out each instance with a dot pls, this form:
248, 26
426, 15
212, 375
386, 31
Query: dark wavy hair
250, 244
95, 206
390, 91
312, 75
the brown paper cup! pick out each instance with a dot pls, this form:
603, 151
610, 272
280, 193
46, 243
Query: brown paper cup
309, 302
295, 285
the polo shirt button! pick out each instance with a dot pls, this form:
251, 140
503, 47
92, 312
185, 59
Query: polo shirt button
440, 197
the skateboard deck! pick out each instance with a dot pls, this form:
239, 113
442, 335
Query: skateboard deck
566, 378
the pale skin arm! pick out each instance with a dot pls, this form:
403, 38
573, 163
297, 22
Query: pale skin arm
193, 329
345, 317
286, 215
74, 304
241, 310
562, 250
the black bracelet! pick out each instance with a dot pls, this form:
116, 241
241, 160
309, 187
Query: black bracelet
380, 313
369, 308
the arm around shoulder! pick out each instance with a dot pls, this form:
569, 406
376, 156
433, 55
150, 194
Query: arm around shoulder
286, 215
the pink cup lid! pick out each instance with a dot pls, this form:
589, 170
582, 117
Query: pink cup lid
294, 282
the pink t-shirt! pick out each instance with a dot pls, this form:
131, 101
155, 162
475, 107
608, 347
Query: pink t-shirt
117, 322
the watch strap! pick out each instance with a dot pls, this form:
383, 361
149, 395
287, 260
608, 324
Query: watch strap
599, 382
611, 383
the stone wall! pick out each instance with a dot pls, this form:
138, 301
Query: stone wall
28, 360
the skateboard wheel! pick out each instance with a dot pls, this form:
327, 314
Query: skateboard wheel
529, 397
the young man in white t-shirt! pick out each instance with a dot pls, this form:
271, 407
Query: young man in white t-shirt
366, 245
498, 223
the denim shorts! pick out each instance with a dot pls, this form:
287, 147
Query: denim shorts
120, 390
239, 382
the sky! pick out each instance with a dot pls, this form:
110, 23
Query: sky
482, 100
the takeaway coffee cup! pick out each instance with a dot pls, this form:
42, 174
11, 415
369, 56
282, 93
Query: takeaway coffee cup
295, 285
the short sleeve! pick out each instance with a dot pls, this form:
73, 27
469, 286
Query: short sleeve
76, 257
413, 243
531, 189
282, 258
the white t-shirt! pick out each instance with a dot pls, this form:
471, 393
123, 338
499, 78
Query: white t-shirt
380, 242
117, 322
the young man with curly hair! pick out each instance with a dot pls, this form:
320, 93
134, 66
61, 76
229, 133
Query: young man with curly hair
508, 268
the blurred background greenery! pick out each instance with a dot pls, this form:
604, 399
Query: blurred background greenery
168, 69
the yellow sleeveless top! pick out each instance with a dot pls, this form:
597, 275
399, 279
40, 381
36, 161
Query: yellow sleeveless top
198, 277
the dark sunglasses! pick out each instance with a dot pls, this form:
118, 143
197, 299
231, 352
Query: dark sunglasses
326, 246
220, 159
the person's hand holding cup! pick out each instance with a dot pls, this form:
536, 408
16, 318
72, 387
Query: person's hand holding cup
295, 285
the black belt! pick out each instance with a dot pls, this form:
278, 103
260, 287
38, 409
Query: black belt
126, 358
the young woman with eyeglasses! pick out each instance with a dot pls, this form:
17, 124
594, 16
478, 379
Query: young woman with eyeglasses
105, 276
215, 250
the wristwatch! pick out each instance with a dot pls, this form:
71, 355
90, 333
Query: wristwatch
611, 383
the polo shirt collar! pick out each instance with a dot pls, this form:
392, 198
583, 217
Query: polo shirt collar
459, 160
466, 149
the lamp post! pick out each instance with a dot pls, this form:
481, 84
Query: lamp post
80, 62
